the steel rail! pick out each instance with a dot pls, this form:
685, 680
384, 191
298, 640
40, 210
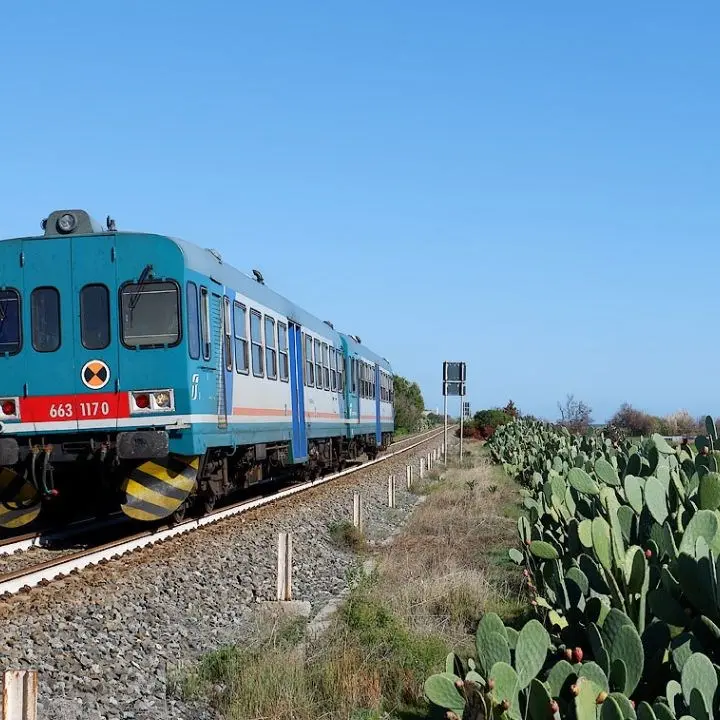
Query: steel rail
44, 573
47, 536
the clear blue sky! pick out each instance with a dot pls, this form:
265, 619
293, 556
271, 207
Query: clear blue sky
531, 187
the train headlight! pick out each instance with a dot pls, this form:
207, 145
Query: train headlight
150, 401
162, 399
66, 223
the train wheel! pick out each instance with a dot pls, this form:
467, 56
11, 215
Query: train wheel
157, 488
19, 500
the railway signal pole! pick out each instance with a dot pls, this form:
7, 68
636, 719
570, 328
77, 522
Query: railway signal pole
454, 384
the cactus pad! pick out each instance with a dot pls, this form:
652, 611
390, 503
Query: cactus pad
606, 472
441, 691
582, 482
698, 673
543, 550
709, 491
531, 651
656, 500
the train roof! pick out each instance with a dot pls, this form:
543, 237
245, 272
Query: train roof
209, 262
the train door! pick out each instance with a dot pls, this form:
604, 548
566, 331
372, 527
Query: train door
48, 321
297, 391
378, 427
97, 343
228, 365
216, 330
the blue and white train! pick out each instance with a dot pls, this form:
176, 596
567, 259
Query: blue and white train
165, 377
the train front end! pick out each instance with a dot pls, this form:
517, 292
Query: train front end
89, 321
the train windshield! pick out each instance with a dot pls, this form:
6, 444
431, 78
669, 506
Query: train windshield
9, 322
150, 314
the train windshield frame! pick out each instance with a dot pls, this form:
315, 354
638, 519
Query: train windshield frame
150, 314
10, 322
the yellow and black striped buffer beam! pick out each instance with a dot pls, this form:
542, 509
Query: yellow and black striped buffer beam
157, 488
19, 500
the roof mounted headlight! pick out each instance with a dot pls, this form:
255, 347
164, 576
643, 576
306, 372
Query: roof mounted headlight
66, 223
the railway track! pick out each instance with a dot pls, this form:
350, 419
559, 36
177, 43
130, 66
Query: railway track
70, 561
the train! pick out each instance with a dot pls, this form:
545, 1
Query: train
142, 371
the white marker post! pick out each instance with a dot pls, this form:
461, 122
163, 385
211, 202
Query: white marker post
284, 579
19, 695
357, 512
391, 491
408, 476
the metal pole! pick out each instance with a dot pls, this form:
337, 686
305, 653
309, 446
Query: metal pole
462, 417
446, 429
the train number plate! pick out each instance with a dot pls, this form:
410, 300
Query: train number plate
64, 408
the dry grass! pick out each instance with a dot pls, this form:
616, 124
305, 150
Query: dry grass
430, 588
448, 566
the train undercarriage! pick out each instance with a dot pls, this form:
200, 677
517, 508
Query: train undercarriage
58, 478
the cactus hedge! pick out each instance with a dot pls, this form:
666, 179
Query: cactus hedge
620, 546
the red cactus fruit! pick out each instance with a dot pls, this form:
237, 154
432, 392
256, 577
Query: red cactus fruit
491, 684
505, 705
568, 654
554, 707
459, 684
533, 602
578, 654
648, 554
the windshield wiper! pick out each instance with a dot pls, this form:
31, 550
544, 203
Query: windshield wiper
143, 279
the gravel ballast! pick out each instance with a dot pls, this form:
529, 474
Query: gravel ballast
102, 639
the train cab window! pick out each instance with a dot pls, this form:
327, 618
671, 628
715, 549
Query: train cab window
150, 314
242, 357
95, 317
309, 367
193, 321
318, 364
227, 335
45, 319
257, 344
326, 366
10, 335
205, 323
283, 352
333, 370
270, 348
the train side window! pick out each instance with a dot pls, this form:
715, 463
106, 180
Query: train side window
193, 321
45, 319
95, 317
242, 360
341, 368
10, 325
150, 314
333, 370
227, 335
353, 374
270, 348
257, 344
326, 366
309, 367
205, 323
318, 364
283, 352
392, 394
